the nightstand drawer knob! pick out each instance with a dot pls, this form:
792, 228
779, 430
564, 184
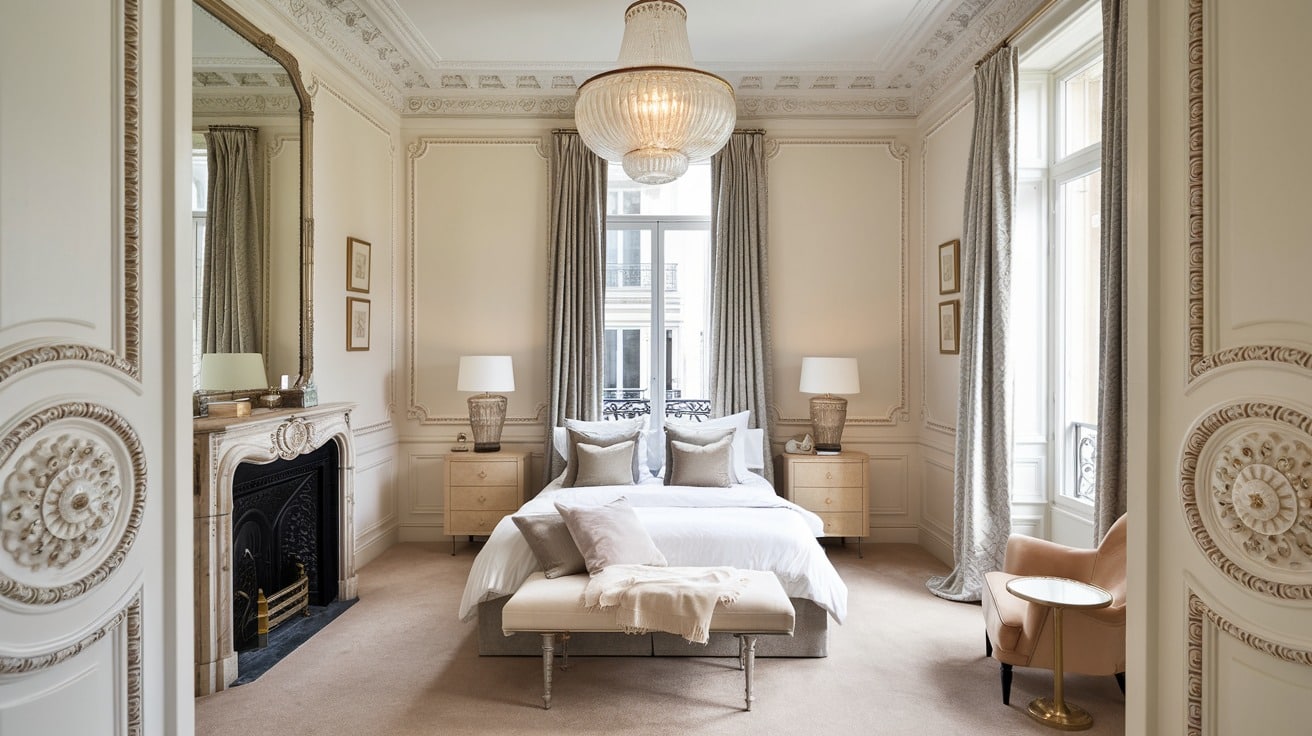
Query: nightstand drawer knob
829, 475
482, 499
482, 475
828, 500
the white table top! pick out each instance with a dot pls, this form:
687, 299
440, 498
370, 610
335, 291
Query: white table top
1059, 592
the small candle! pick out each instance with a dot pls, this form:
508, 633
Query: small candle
286, 382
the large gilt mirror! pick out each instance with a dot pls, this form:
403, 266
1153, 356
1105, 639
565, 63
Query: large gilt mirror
251, 182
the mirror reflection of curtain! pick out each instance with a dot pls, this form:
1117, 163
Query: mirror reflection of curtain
232, 289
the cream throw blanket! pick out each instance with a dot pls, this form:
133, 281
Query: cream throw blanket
678, 600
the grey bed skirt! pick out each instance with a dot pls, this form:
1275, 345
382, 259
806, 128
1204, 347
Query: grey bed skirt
810, 639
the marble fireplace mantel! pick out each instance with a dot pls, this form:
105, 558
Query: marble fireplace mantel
220, 445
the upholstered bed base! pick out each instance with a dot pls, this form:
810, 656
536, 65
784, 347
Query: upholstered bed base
810, 639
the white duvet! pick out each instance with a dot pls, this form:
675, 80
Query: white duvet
746, 526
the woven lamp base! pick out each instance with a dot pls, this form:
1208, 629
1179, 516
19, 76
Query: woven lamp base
487, 413
828, 414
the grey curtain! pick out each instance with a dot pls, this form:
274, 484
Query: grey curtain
982, 486
740, 319
1110, 500
232, 288
577, 289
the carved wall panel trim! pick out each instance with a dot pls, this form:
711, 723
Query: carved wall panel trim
128, 617
1201, 613
899, 411
1200, 360
1252, 515
66, 505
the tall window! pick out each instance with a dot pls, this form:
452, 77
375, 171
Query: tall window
1056, 248
657, 284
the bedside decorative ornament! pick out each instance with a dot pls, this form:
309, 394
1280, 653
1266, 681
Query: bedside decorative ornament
462, 443
800, 445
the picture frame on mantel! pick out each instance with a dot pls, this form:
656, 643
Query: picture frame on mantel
358, 265
357, 323
949, 327
949, 267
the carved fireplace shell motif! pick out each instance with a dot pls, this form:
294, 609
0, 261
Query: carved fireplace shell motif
220, 445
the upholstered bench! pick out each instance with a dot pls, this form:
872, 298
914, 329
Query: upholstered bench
554, 606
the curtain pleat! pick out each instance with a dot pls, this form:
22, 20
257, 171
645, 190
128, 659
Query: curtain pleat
741, 374
577, 288
1110, 501
982, 482
232, 288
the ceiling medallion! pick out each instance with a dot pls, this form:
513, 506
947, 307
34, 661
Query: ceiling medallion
655, 112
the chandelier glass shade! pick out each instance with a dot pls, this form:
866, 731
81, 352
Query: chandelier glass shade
655, 113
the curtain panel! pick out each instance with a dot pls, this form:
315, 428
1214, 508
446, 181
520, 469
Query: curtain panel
577, 291
232, 286
741, 375
982, 482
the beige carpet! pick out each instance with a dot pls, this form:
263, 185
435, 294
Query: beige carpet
398, 662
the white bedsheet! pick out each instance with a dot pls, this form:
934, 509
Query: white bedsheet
746, 526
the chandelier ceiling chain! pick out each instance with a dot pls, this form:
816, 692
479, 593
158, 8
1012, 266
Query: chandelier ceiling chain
655, 112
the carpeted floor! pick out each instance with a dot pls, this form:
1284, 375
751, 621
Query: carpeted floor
399, 663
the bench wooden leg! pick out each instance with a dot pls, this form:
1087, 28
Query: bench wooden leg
748, 646
564, 650
548, 653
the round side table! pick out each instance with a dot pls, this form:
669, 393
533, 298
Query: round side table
1059, 594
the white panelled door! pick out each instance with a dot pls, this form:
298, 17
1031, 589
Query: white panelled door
1220, 271
95, 621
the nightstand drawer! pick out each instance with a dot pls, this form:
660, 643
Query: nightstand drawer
478, 498
473, 522
484, 473
846, 524
830, 499
828, 474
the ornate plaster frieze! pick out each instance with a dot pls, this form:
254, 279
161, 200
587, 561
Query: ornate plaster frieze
282, 105
1246, 488
127, 618
1201, 361
1199, 615
71, 503
514, 105
811, 107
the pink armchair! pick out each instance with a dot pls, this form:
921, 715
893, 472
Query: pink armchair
1019, 633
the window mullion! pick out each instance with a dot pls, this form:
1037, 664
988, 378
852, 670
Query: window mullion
658, 325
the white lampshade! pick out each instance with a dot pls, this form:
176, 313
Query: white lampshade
655, 112
830, 376
232, 372
485, 373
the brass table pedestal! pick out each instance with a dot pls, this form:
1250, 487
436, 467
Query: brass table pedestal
1059, 594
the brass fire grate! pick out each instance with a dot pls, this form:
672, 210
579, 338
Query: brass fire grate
282, 605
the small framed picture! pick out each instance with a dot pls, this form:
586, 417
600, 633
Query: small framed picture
357, 265
357, 323
949, 267
949, 327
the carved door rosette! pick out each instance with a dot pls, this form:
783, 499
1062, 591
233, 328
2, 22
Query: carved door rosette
71, 502
1246, 487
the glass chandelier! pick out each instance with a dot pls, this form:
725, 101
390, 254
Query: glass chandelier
655, 112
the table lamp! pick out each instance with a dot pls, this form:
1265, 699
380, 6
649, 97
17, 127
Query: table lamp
232, 372
487, 411
829, 376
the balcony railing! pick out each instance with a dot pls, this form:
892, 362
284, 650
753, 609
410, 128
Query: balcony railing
1086, 461
636, 406
638, 275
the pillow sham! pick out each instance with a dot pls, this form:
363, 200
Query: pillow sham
551, 543
700, 465
613, 437
600, 465
610, 534
743, 452
694, 435
560, 439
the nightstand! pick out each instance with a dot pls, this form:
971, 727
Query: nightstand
481, 488
835, 488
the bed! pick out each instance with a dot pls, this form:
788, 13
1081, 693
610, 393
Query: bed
746, 525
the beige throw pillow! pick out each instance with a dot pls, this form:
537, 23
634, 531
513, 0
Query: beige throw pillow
551, 543
693, 436
600, 440
610, 535
605, 466
701, 465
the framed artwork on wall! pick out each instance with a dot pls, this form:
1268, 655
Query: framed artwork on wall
357, 323
949, 267
949, 327
357, 265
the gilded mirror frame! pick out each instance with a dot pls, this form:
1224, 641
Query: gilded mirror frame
303, 393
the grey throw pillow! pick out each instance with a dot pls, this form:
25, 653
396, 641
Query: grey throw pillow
693, 436
599, 440
700, 465
551, 543
610, 535
605, 466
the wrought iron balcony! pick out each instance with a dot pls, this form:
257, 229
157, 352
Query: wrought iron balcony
628, 407
638, 276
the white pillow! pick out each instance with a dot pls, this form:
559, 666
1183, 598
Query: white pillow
742, 449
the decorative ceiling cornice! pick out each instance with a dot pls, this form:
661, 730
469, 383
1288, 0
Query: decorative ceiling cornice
373, 40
